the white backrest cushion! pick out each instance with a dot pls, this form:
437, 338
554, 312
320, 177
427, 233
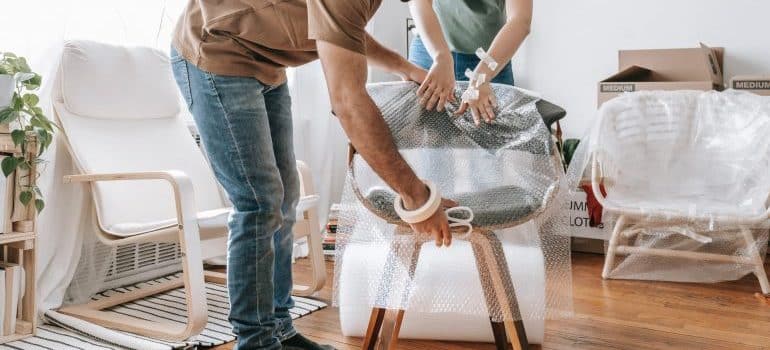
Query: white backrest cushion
106, 144
113, 82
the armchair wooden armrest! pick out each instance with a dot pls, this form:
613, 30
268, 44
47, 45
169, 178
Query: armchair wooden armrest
192, 264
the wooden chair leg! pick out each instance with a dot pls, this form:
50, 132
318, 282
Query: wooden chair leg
498, 330
759, 265
391, 327
490, 256
390, 320
609, 260
192, 279
373, 330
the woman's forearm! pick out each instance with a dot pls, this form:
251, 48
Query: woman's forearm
429, 28
510, 37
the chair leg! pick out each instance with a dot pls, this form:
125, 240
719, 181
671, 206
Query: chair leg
759, 265
373, 330
192, 280
390, 320
609, 260
317, 262
391, 327
490, 256
498, 330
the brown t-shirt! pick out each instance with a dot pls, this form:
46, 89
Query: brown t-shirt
260, 38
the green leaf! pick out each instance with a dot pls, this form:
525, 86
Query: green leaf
44, 139
23, 76
18, 136
33, 83
8, 165
7, 115
23, 65
36, 122
37, 190
37, 111
25, 197
39, 205
18, 103
31, 100
569, 148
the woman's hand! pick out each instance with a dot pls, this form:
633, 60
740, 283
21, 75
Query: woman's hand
482, 108
438, 87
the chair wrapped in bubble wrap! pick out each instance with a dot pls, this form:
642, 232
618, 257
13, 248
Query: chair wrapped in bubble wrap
509, 174
683, 179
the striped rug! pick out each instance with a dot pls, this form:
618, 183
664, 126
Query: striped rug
62, 332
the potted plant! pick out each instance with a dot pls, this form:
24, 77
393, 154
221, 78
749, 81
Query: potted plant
27, 124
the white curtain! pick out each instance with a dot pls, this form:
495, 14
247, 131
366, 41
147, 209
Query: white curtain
36, 28
318, 137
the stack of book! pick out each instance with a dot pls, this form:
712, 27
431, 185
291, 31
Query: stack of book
11, 293
330, 232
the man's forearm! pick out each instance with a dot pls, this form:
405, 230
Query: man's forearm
371, 138
363, 122
384, 58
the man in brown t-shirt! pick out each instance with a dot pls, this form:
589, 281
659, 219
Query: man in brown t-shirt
229, 59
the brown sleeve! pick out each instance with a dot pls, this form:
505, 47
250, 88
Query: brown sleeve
342, 23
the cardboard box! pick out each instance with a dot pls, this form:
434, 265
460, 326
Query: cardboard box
758, 84
577, 214
589, 245
585, 239
665, 69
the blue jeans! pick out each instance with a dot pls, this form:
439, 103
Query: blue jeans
420, 56
246, 128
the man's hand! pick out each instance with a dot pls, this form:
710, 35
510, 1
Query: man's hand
411, 72
483, 108
439, 85
436, 226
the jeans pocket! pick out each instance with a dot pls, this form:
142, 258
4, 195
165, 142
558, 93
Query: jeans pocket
182, 77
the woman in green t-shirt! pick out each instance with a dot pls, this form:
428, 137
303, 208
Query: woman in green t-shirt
450, 32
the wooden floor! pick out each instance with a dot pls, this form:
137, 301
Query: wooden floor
618, 315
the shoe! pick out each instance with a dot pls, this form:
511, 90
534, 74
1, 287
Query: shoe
299, 342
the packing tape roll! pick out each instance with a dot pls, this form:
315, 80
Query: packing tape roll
422, 213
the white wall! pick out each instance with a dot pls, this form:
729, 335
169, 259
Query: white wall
574, 43
388, 26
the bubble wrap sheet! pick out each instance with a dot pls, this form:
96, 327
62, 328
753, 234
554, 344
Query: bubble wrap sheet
507, 172
683, 171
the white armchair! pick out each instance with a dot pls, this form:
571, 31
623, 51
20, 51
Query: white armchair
683, 162
119, 112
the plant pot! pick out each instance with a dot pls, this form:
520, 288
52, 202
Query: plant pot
6, 90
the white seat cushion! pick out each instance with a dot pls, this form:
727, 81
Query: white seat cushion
210, 222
